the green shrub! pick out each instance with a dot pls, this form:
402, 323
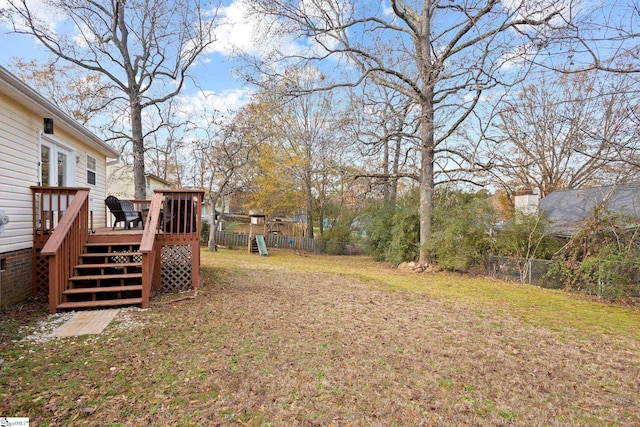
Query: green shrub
461, 224
602, 259
335, 248
405, 234
525, 236
204, 233
392, 231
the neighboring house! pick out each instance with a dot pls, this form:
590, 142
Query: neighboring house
120, 182
566, 210
40, 145
527, 203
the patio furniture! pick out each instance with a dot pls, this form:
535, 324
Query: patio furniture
123, 211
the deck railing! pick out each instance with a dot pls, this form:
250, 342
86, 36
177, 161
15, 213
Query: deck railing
49, 205
149, 247
67, 234
138, 205
173, 219
61, 229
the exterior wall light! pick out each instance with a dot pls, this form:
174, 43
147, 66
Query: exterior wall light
48, 126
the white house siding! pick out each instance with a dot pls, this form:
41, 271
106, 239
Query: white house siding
120, 182
154, 184
20, 134
19, 147
97, 192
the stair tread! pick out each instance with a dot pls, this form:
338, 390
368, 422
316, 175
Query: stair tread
94, 244
103, 254
89, 290
100, 303
111, 265
106, 276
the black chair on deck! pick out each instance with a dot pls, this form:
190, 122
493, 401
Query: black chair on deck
123, 211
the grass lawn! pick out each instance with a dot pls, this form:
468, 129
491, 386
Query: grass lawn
292, 340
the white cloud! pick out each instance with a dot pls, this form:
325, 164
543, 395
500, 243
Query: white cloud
40, 10
241, 32
236, 30
202, 106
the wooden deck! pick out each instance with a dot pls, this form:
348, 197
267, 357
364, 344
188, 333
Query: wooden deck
118, 231
83, 265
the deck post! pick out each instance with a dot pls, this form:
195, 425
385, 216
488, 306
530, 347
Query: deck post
195, 265
54, 286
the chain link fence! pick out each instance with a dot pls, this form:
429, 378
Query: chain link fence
602, 278
523, 270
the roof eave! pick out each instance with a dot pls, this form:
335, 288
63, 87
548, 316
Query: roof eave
22, 93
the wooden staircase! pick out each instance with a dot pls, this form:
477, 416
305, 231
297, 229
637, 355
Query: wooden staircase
109, 274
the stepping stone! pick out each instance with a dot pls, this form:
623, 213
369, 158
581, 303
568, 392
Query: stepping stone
86, 322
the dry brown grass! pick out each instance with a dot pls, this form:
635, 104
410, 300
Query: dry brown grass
290, 340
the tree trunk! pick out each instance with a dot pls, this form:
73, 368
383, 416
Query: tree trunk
386, 189
309, 189
426, 202
213, 226
310, 215
427, 182
427, 149
395, 169
138, 151
321, 220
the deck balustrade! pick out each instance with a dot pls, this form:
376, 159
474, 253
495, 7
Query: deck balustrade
169, 243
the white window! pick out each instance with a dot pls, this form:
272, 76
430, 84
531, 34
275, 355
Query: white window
91, 170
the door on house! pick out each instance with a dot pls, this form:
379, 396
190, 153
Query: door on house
57, 165
57, 169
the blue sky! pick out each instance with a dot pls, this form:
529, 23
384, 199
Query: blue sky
214, 69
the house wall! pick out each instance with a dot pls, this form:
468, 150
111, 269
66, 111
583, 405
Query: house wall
20, 137
19, 148
98, 192
527, 204
154, 184
120, 182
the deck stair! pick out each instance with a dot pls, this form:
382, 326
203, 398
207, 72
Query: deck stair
109, 274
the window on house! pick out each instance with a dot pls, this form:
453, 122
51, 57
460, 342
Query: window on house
91, 170
45, 167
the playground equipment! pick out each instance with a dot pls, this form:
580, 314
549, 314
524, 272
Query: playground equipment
258, 245
256, 242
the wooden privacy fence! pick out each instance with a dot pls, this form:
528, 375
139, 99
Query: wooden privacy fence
303, 244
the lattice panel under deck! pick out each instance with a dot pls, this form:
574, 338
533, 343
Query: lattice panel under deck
176, 268
40, 273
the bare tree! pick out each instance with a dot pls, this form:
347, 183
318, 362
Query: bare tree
565, 131
308, 133
444, 55
165, 150
598, 36
383, 123
218, 157
82, 96
144, 47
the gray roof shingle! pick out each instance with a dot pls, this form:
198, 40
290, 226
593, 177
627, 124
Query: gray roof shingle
567, 209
